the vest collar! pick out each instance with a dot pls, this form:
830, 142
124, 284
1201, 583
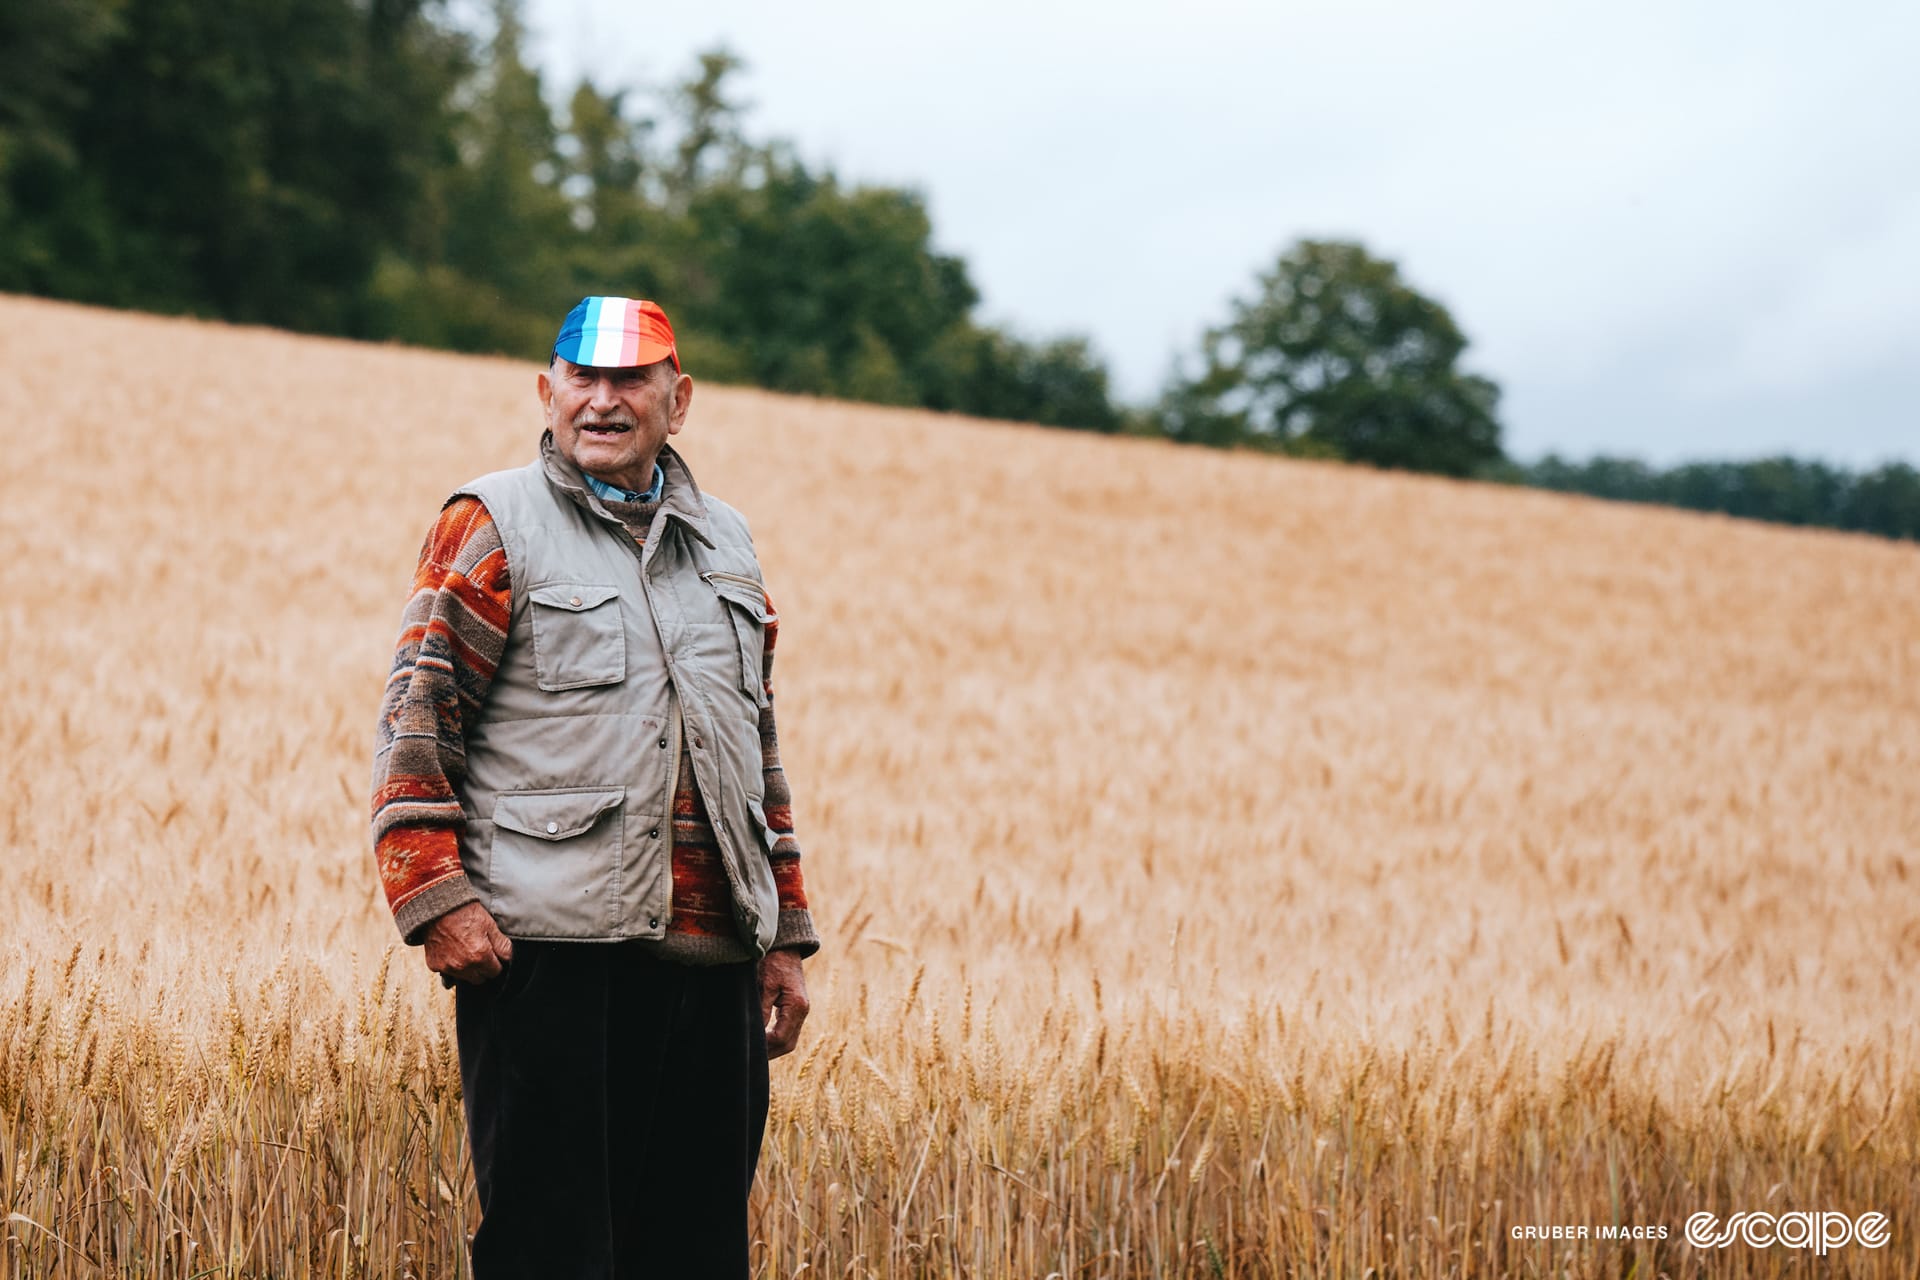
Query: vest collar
683, 499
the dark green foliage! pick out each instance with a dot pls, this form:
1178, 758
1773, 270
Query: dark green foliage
362, 167
996, 375
484, 275
365, 167
1784, 490
49, 208
45, 49
248, 160
824, 289
1885, 501
1336, 356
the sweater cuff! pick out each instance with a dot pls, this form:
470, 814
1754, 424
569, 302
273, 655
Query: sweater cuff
795, 933
432, 902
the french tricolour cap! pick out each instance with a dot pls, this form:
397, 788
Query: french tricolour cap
616, 333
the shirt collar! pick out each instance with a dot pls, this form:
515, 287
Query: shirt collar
682, 498
614, 493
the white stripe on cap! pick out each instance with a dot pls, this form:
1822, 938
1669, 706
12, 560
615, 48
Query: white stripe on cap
605, 324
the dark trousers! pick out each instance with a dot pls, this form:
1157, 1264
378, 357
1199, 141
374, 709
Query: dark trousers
615, 1105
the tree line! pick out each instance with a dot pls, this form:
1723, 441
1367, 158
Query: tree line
372, 169
1784, 490
1335, 356
369, 168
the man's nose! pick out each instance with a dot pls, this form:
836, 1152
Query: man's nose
603, 399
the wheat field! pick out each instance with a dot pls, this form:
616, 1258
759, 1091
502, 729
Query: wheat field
1229, 866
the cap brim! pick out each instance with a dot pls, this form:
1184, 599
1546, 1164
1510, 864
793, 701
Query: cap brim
654, 353
645, 354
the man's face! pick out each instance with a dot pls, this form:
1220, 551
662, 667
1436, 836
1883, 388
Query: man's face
612, 422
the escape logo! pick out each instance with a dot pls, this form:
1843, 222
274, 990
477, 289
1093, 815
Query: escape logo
1827, 1229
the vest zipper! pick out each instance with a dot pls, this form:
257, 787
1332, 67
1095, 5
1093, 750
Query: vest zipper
676, 731
715, 817
715, 574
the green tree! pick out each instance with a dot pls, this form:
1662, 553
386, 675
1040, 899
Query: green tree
368, 167
494, 274
49, 204
823, 288
1337, 355
1782, 490
1886, 501
607, 164
710, 132
993, 374
45, 49
1066, 385
252, 161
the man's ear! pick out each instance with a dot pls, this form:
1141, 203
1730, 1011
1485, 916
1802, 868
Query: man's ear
544, 385
682, 401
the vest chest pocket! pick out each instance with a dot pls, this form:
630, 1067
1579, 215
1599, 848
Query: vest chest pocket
578, 636
746, 603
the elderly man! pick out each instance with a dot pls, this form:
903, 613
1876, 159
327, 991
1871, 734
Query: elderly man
579, 811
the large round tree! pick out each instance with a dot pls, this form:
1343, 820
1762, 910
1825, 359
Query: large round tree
1338, 356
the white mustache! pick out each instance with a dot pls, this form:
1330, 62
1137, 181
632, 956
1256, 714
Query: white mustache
622, 420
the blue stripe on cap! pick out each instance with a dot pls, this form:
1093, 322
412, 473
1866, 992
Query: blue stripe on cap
593, 341
572, 330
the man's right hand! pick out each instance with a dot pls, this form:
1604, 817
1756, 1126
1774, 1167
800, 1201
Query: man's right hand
466, 944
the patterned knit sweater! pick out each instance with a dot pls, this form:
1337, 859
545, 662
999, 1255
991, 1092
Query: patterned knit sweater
452, 637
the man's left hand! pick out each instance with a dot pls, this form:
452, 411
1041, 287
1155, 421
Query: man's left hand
783, 1000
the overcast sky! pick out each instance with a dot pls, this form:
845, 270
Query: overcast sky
1671, 230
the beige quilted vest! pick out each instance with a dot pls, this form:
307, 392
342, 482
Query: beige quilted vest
569, 787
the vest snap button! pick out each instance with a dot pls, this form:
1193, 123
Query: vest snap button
575, 602
663, 744
552, 827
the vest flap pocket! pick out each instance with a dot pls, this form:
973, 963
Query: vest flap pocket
554, 815
571, 596
746, 605
738, 589
579, 638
